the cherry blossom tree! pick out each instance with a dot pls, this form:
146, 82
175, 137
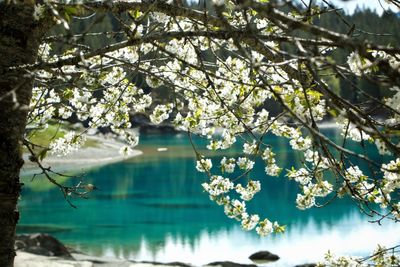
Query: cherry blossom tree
224, 64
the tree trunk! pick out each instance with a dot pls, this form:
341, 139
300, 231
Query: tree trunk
20, 35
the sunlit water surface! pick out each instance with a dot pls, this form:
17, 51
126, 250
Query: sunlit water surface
152, 208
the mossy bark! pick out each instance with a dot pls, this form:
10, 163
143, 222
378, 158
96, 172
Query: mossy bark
20, 35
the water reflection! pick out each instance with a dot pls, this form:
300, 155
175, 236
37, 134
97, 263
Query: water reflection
303, 243
153, 208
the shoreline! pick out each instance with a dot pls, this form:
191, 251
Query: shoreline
25, 259
106, 151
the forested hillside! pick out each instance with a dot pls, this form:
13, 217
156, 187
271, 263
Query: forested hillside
364, 24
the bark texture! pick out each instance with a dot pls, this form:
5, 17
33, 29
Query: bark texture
20, 35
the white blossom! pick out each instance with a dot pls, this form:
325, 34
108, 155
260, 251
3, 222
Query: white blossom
354, 174
301, 176
236, 209
218, 185
204, 165
305, 201
67, 144
264, 228
161, 113
248, 192
249, 222
357, 64
38, 11
250, 149
245, 163
228, 165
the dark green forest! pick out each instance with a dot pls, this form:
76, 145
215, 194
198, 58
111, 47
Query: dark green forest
363, 24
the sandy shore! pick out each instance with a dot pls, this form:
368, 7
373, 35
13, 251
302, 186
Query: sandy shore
106, 151
24, 259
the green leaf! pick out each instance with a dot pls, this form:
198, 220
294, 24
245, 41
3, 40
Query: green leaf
280, 229
68, 94
42, 154
70, 10
314, 93
135, 14
333, 112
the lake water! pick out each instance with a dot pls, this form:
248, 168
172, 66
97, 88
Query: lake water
153, 208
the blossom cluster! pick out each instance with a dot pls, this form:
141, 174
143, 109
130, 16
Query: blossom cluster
119, 98
221, 189
382, 256
271, 168
358, 64
65, 145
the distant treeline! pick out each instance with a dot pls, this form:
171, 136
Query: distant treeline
383, 29
363, 24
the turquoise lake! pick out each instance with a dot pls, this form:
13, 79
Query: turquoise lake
152, 208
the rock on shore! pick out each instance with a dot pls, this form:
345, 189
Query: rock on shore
263, 257
41, 244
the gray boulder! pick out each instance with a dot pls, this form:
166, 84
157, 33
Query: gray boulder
263, 257
229, 264
41, 244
